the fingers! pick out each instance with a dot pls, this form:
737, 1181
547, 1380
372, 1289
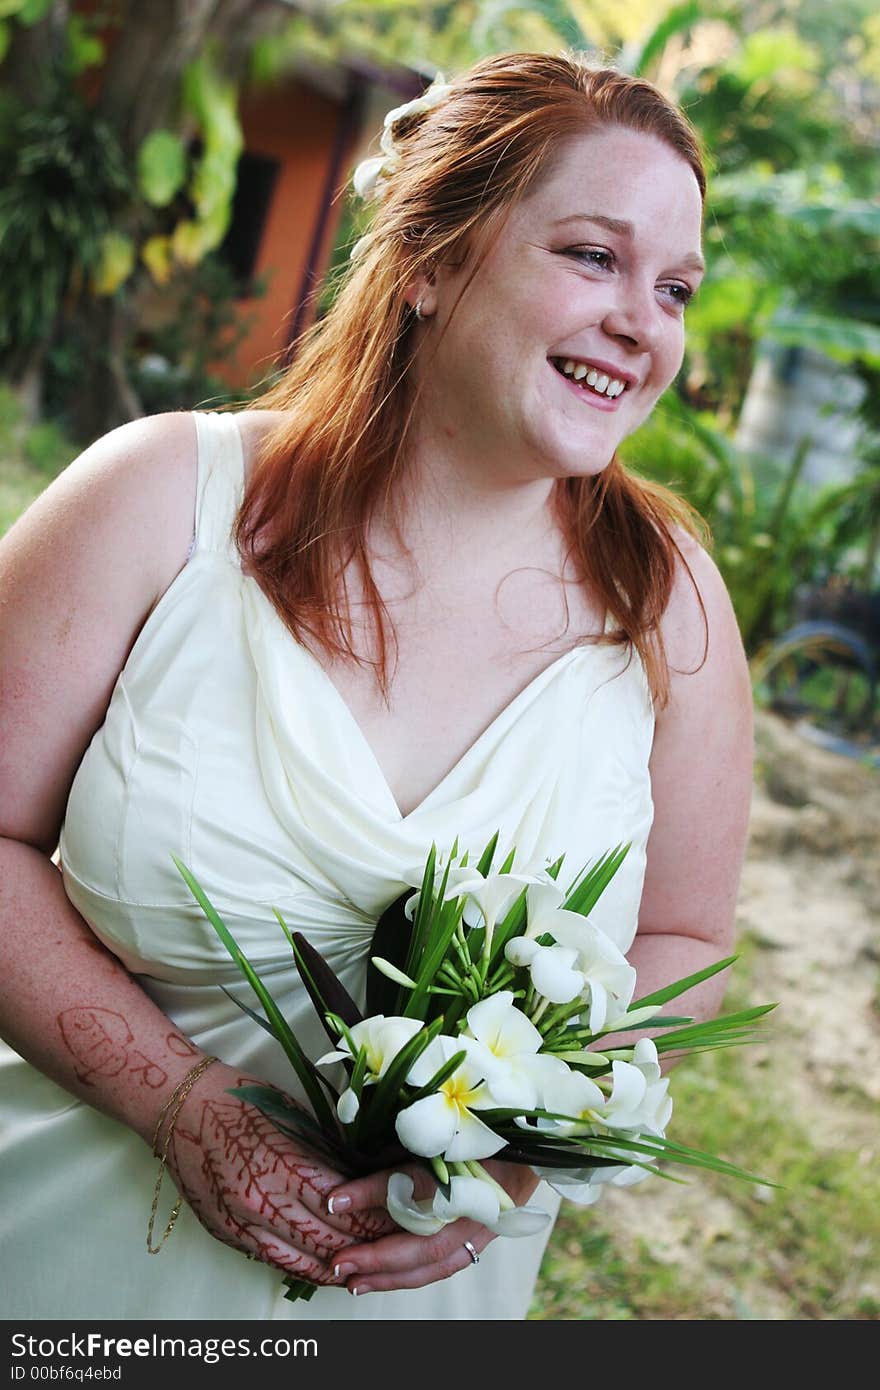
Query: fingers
362, 1194
404, 1261
268, 1249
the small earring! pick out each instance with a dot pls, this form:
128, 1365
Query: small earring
418, 311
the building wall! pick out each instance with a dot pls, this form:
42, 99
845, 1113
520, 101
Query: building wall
298, 127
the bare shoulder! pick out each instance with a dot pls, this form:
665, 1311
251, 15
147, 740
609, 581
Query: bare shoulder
80, 572
137, 482
699, 626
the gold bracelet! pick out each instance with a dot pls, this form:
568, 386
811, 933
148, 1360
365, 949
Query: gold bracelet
175, 1100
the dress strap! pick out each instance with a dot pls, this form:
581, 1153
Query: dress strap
220, 485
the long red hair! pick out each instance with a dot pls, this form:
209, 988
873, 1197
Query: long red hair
348, 397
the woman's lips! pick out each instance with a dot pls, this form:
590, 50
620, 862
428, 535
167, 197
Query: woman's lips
586, 394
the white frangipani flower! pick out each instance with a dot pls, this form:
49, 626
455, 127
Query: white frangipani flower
656, 1107
638, 1102
543, 898
444, 1122
606, 971
381, 1037
517, 1070
624, 1106
493, 895
469, 1198
490, 896
586, 1187
551, 968
575, 1095
457, 874
609, 974
368, 174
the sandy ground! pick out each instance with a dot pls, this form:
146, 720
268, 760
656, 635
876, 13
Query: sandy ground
809, 904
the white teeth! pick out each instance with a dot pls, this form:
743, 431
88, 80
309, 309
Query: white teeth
591, 376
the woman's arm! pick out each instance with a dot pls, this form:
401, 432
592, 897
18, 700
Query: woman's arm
701, 781
79, 574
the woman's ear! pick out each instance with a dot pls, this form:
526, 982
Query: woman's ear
421, 295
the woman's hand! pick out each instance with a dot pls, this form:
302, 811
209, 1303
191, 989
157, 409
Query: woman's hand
404, 1261
259, 1191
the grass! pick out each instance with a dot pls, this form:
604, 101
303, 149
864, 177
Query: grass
722, 1249
30, 457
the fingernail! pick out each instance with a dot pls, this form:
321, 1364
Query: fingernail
336, 1204
343, 1271
354, 1292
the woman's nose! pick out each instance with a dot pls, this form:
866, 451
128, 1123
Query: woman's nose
632, 314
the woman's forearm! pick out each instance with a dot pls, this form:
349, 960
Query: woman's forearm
70, 1008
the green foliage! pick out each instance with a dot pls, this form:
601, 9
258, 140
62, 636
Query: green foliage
772, 535
64, 179
174, 367
25, 11
30, 457
85, 48
214, 103
161, 167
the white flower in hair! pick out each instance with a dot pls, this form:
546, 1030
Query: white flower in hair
437, 92
370, 173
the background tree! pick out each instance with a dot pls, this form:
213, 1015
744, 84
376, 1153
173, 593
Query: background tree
118, 125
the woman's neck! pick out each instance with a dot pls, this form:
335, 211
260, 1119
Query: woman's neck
447, 508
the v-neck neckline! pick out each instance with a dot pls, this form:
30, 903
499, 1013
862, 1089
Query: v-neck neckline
468, 753
508, 710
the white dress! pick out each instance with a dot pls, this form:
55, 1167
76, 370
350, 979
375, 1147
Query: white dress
226, 744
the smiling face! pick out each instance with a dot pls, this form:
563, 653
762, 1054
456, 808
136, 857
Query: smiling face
573, 325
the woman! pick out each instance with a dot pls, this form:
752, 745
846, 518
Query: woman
438, 465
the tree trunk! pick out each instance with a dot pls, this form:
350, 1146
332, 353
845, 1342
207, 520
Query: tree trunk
100, 329
140, 84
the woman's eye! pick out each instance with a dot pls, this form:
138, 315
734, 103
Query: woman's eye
592, 255
680, 294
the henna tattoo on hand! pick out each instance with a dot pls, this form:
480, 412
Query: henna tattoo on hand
254, 1182
100, 1041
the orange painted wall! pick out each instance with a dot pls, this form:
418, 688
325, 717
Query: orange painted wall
296, 126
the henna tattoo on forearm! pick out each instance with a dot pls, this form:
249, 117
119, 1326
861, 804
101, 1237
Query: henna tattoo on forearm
100, 1042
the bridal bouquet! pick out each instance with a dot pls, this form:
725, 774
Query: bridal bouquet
488, 992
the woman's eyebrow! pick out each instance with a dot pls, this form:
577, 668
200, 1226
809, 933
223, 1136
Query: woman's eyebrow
614, 224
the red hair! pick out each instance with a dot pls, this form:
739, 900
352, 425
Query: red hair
348, 398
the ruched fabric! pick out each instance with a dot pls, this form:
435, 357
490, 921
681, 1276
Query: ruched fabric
227, 744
